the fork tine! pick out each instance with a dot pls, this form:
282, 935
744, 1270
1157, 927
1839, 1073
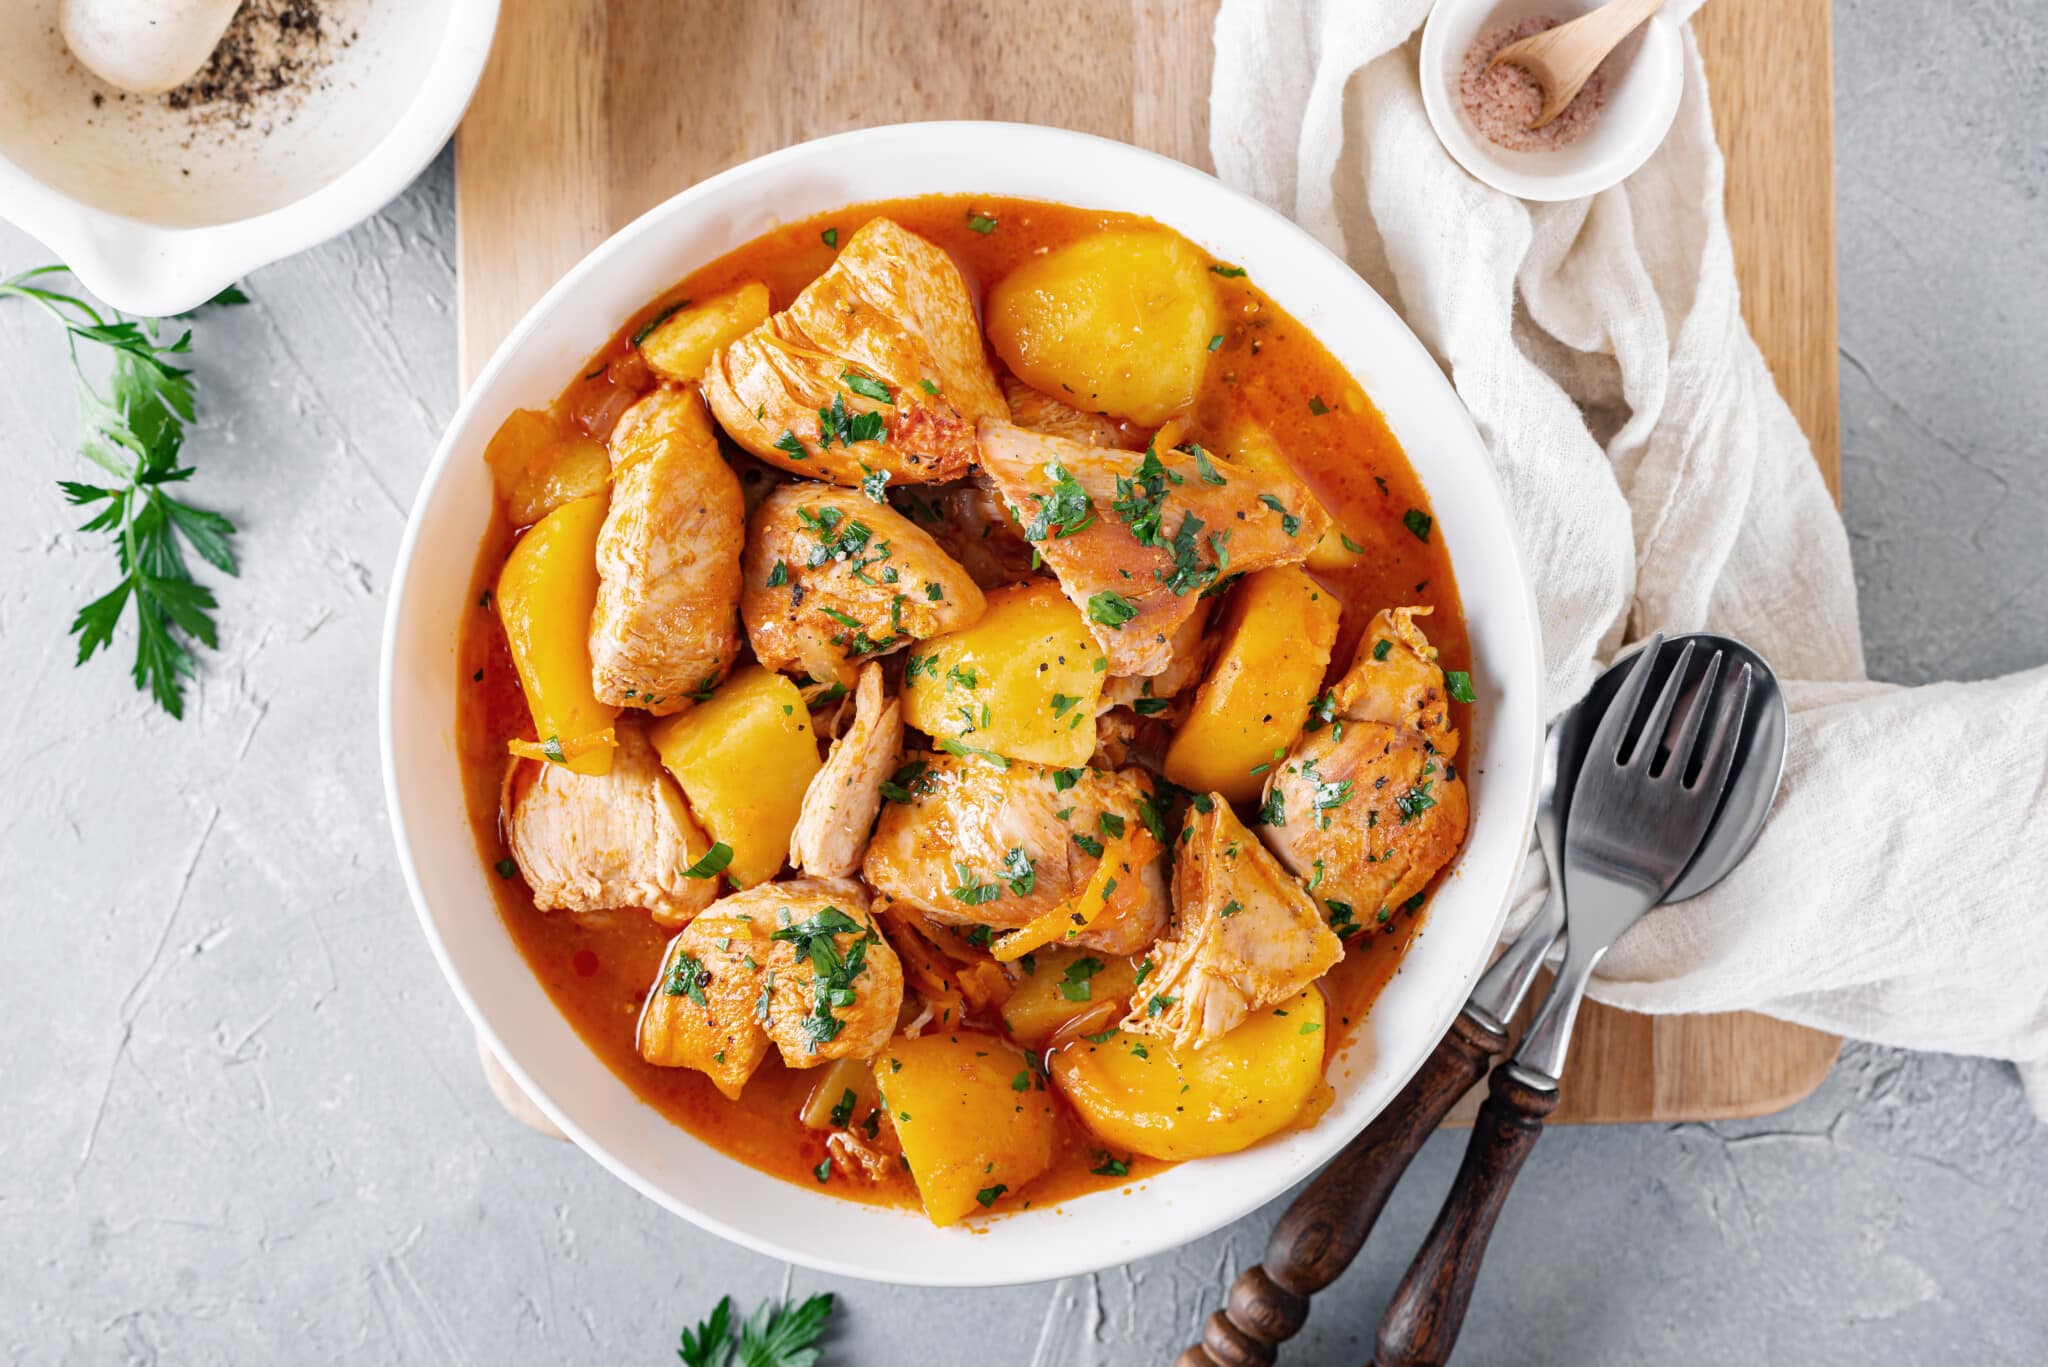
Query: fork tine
1696, 713
1613, 728
1726, 739
1652, 737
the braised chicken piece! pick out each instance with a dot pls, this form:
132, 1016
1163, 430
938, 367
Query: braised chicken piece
1045, 414
834, 578
876, 368
1135, 540
1146, 695
844, 797
981, 844
797, 963
666, 625
971, 521
1244, 936
620, 839
1370, 807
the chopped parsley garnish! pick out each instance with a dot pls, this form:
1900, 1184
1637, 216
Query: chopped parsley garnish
506, 868
823, 1172
1111, 609
830, 237
1310, 1027
1460, 685
1150, 707
1381, 648
1415, 801
928, 387
1351, 545
686, 979
906, 781
778, 575
712, 864
867, 386
842, 1109
954, 747
1231, 908
1089, 843
1205, 467
1418, 522
983, 224
1229, 272
833, 971
1063, 779
988, 1196
1189, 573
838, 423
1158, 1004
1154, 822
1141, 499
647, 328
552, 748
1074, 983
1273, 811
1064, 511
974, 893
1144, 972
1021, 1082
1216, 342
1316, 405
1109, 823
791, 445
875, 484
1289, 523
1343, 919
1061, 702
1019, 871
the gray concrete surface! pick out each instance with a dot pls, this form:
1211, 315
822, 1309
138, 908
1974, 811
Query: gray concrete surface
241, 1119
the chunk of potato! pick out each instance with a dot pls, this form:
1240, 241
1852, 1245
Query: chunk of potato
974, 1118
1119, 322
1023, 681
545, 594
743, 758
1066, 986
1274, 644
538, 467
842, 1096
1138, 1092
681, 346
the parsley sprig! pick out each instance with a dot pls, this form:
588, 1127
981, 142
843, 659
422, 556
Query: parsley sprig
135, 432
773, 1336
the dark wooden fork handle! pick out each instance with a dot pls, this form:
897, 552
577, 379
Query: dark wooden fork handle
1421, 1323
1322, 1231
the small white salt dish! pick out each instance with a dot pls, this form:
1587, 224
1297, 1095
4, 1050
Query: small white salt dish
155, 211
1645, 77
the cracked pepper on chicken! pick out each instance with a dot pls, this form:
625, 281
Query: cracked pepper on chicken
963, 704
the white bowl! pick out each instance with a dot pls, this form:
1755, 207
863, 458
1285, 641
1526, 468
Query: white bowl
451, 886
1646, 75
156, 214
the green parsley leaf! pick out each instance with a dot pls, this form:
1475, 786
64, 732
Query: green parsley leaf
1418, 522
712, 864
1459, 683
506, 868
1351, 545
1089, 843
981, 223
988, 1196
1064, 511
830, 237
875, 484
1111, 1166
1019, 871
866, 386
1382, 648
972, 892
963, 750
779, 575
1229, 272
710, 1343
791, 445
928, 386
1317, 406
647, 328
1111, 609
686, 979
1216, 342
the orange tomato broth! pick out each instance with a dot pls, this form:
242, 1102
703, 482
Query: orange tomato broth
597, 968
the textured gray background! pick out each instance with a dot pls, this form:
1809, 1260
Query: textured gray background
241, 1117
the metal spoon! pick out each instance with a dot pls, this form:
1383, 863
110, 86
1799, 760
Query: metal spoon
1322, 1231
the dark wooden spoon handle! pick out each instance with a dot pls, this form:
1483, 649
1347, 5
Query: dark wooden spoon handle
1421, 1323
1322, 1231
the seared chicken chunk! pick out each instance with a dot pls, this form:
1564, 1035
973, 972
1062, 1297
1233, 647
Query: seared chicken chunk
979, 844
621, 839
1370, 807
797, 963
1043, 413
666, 624
877, 366
1190, 649
972, 523
1245, 936
843, 798
1135, 540
834, 578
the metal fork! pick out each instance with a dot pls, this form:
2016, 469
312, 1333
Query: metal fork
1640, 807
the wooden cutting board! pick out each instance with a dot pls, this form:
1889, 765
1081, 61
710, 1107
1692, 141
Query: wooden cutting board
592, 111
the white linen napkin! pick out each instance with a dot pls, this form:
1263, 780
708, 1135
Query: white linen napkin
1899, 892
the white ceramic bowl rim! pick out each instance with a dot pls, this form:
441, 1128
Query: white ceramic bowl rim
447, 879
154, 271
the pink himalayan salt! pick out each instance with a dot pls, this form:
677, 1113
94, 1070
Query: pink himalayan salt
1503, 101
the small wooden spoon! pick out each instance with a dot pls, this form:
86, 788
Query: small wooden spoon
1562, 59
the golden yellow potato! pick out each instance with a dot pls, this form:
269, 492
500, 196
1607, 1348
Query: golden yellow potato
681, 346
538, 467
1137, 1092
1118, 323
974, 1118
743, 758
545, 594
1064, 986
1274, 646
1023, 681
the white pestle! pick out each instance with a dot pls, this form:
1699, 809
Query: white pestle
145, 46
